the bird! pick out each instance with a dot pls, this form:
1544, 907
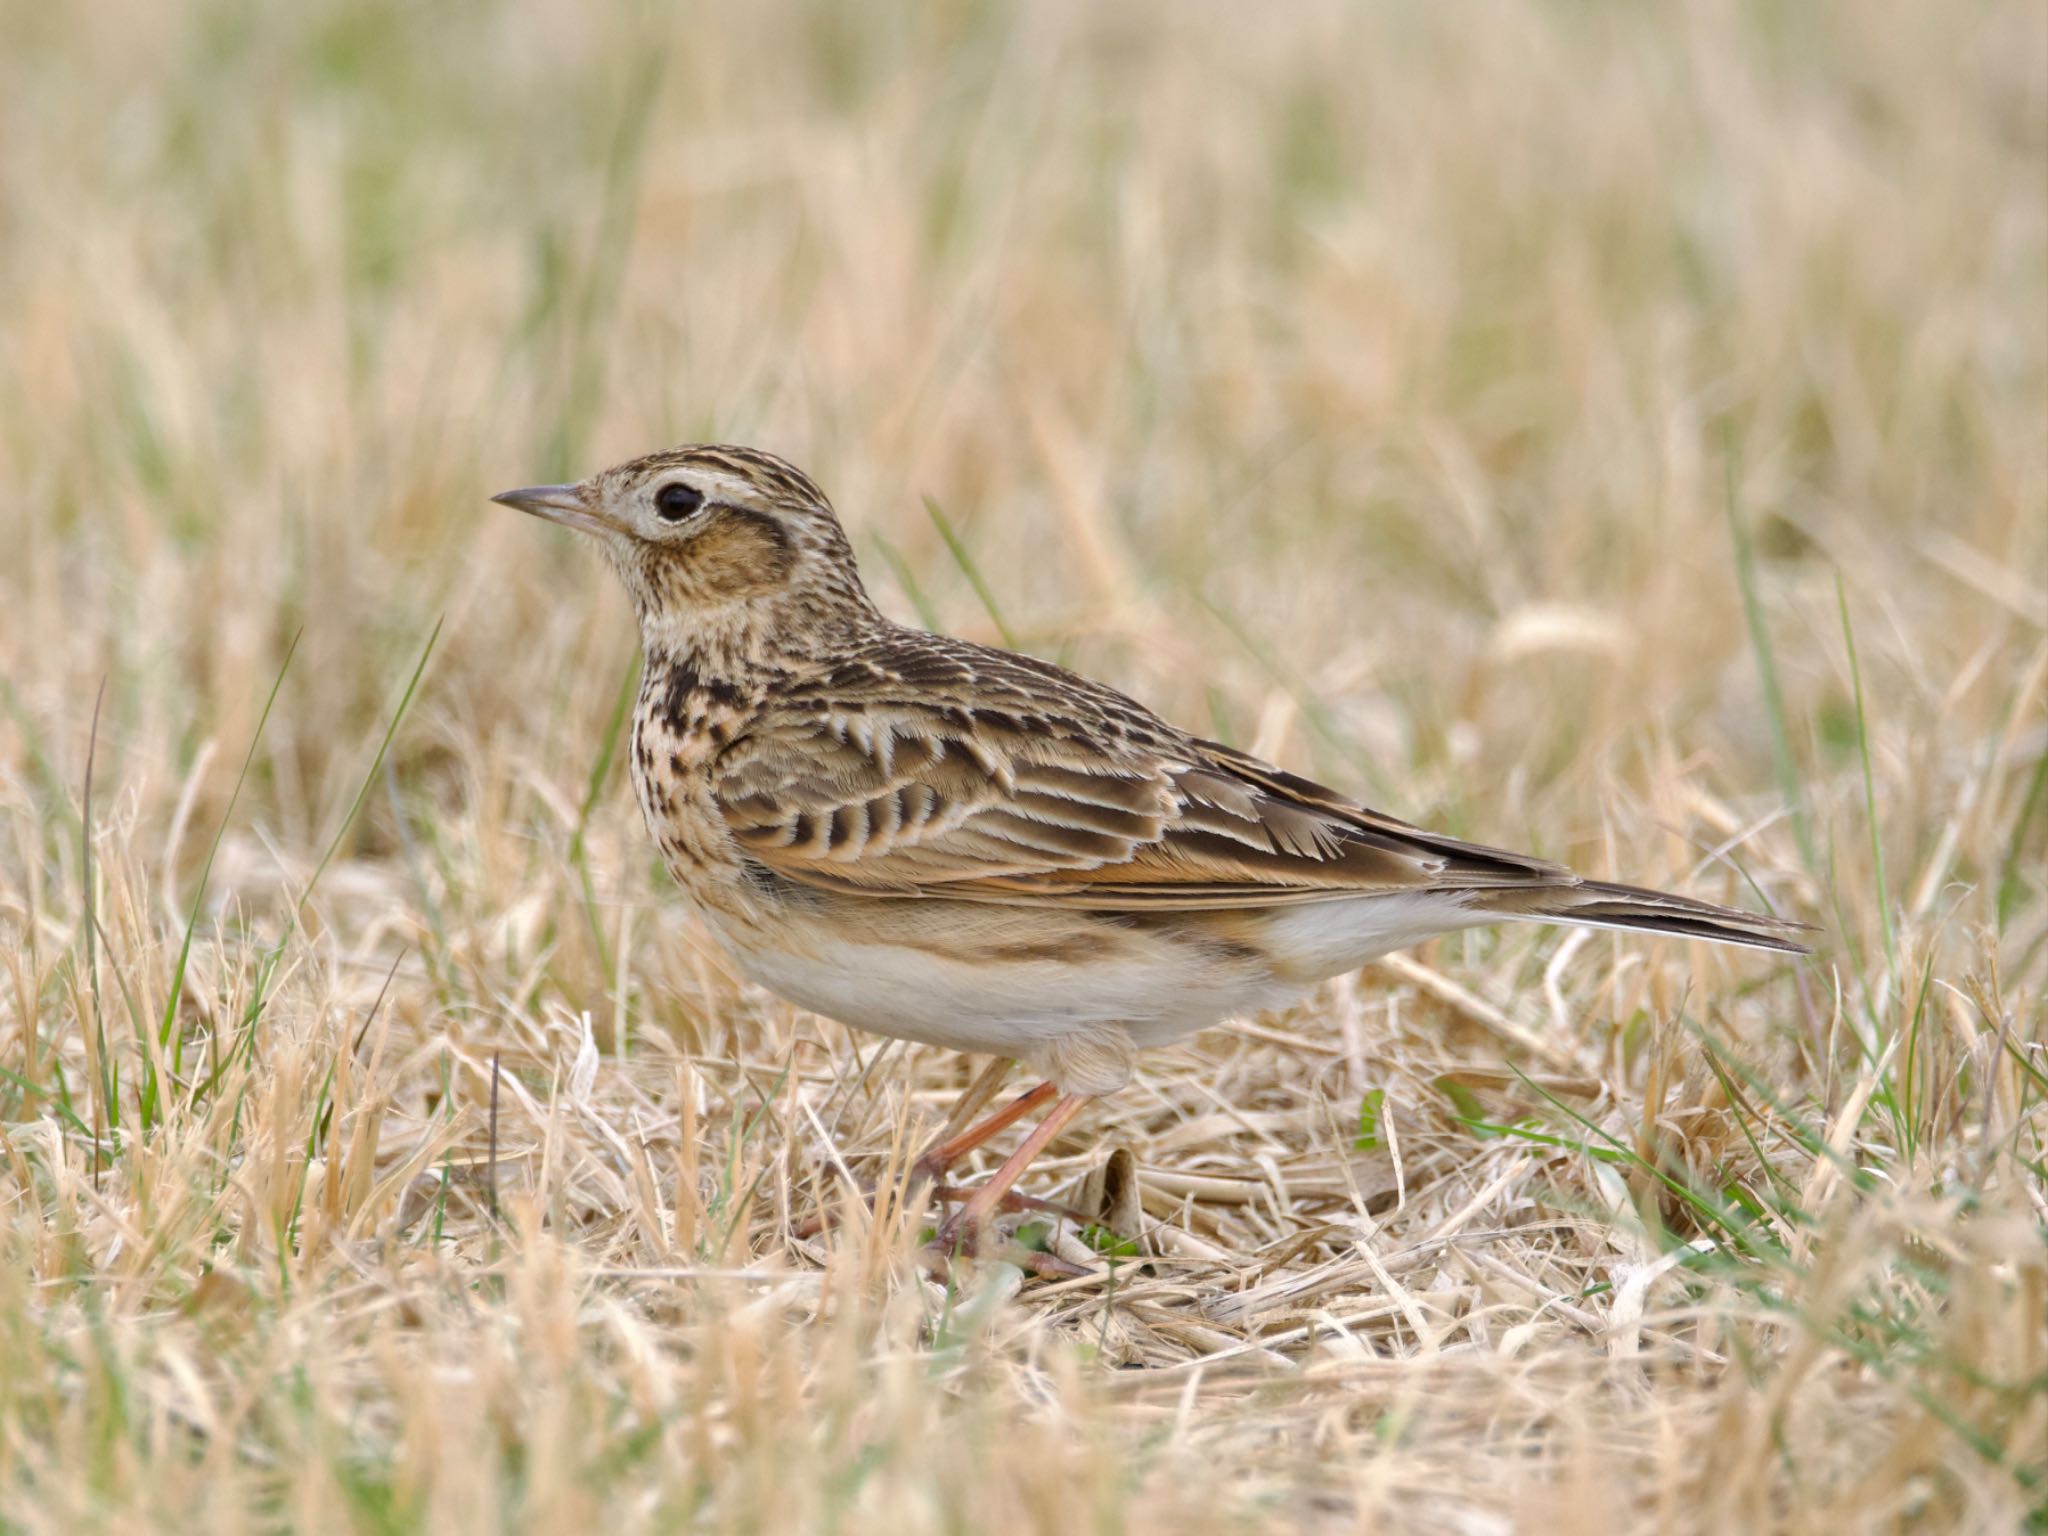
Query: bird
939, 841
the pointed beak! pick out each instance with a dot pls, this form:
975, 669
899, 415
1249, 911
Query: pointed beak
562, 504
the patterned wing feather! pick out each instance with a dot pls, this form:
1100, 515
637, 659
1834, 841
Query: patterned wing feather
883, 778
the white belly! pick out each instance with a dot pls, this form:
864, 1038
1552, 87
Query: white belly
1001, 993
1065, 991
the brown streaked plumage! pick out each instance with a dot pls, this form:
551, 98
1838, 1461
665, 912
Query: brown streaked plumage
943, 842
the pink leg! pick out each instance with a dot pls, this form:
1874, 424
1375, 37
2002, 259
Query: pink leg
976, 1094
963, 1228
954, 1143
945, 1154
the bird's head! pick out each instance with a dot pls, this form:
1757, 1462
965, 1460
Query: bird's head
712, 537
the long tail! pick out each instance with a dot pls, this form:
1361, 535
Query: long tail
1597, 904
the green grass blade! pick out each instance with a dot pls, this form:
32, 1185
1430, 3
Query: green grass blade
376, 763
1884, 889
267, 966
1767, 672
972, 571
177, 992
109, 1105
927, 615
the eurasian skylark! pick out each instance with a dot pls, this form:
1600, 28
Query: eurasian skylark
946, 843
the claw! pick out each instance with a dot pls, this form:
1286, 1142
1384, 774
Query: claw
939, 1256
1047, 1266
1012, 1203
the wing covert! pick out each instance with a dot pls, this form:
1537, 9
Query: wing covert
1035, 801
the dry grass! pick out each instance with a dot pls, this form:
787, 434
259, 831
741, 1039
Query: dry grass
1419, 394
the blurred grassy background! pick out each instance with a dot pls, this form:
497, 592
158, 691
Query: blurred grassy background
1392, 389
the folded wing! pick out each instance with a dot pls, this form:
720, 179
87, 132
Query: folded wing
1045, 795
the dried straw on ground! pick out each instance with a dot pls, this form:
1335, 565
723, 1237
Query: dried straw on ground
1611, 433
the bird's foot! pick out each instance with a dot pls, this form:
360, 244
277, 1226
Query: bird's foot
1010, 1203
943, 1252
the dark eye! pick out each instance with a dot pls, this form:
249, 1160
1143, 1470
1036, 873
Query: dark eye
676, 501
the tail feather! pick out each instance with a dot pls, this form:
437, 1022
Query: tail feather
1599, 904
